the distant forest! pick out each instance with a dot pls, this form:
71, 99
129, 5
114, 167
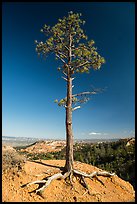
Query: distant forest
115, 157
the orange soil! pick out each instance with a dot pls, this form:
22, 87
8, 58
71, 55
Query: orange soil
114, 190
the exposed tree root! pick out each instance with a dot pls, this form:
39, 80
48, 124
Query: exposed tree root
68, 175
94, 174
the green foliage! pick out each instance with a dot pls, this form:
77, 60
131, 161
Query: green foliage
62, 102
84, 55
111, 156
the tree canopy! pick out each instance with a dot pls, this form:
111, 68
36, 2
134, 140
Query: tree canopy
83, 52
66, 40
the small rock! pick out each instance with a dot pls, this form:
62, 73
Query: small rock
75, 198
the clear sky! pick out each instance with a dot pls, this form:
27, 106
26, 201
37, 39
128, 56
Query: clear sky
30, 84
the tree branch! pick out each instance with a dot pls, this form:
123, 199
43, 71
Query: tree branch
60, 53
82, 64
64, 73
62, 42
76, 108
61, 59
64, 78
84, 93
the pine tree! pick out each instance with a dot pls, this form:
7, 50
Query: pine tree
69, 43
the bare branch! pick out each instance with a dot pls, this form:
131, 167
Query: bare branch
64, 73
64, 78
62, 54
72, 78
84, 93
76, 108
82, 64
61, 59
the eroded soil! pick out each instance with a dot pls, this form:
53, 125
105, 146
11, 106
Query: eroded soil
114, 189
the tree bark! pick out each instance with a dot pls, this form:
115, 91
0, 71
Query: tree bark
69, 133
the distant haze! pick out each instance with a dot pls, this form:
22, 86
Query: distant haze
23, 141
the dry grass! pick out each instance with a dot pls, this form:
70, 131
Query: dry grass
11, 159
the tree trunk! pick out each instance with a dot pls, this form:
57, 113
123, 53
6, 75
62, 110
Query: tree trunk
69, 134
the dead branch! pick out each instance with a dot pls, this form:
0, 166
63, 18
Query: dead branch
64, 78
61, 59
64, 73
75, 108
84, 93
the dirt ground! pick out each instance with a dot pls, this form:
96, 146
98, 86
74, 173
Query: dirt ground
114, 190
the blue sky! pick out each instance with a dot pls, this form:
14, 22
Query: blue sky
31, 84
